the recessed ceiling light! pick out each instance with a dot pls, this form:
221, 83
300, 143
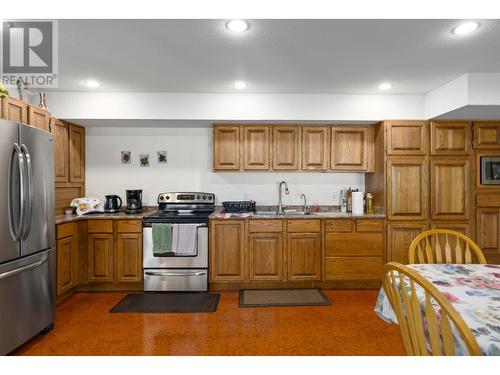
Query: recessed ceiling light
240, 85
385, 86
465, 28
92, 83
238, 26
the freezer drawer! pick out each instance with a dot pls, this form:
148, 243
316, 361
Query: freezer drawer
27, 298
185, 280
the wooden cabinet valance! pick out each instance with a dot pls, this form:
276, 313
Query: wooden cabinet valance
293, 148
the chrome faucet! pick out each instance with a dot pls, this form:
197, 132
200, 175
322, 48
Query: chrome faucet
306, 207
280, 204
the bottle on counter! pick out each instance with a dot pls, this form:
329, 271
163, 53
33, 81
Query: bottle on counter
349, 200
369, 203
343, 200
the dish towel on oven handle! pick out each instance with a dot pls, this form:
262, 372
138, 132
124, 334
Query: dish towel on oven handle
162, 239
185, 239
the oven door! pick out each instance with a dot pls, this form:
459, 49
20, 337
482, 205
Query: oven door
175, 280
198, 261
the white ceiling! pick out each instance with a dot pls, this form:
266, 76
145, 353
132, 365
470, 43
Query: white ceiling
274, 56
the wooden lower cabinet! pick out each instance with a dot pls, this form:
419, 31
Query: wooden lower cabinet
266, 256
353, 268
488, 233
304, 256
100, 257
67, 257
399, 237
466, 228
128, 257
227, 250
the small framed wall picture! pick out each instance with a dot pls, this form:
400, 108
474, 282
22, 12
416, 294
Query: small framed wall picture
144, 160
162, 157
126, 157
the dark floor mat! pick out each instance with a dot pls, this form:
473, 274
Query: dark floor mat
282, 297
168, 302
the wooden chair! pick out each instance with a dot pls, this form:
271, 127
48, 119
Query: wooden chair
445, 246
410, 314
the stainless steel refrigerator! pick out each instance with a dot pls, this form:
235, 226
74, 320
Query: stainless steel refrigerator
27, 238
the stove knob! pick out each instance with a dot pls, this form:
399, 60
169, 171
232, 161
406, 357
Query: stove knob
162, 197
198, 197
167, 197
204, 197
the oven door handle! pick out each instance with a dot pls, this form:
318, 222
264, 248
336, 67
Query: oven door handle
151, 273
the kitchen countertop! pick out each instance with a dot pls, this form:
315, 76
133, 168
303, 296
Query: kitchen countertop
313, 215
61, 219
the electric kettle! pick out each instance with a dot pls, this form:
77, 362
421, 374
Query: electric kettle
111, 203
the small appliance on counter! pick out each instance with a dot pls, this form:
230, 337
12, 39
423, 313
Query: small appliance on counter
134, 201
111, 203
239, 206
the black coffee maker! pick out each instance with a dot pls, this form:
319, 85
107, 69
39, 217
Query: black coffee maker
134, 201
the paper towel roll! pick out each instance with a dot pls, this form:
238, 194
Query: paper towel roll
357, 202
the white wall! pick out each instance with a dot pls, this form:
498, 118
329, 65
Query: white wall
189, 168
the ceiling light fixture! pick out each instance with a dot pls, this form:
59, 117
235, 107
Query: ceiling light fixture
92, 83
240, 85
238, 26
385, 86
465, 28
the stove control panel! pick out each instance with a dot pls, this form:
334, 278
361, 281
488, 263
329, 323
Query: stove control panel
190, 197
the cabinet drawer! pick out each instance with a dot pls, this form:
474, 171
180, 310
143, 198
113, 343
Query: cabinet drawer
338, 225
129, 226
266, 226
65, 230
354, 244
488, 199
352, 268
369, 225
100, 226
304, 225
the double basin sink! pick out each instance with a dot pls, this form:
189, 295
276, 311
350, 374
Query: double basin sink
286, 213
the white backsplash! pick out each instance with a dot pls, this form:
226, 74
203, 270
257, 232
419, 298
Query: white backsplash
189, 168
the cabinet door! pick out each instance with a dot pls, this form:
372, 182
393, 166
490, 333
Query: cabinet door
76, 153
286, 147
407, 138
227, 148
39, 118
450, 138
304, 256
227, 251
450, 192
488, 233
350, 148
399, 238
266, 256
407, 188
128, 257
61, 150
256, 146
486, 134
67, 263
14, 110
315, 150
466, 228
100, 257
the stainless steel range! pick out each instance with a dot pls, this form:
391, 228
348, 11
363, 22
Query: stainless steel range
185, 266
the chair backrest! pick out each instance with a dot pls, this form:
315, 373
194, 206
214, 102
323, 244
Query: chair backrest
444, 246
434, 337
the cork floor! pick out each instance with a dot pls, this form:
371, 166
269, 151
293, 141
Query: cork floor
348, 327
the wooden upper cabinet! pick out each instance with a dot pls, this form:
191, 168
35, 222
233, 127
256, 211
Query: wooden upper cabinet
407, 188
227, 148
128, 257
399, 238
315, 150
256, 148
351, 148
450, 138
39, 118
266, 257
61, 150
14, 110
486, 134
407, 137
488, 233
286, 147
227, 251
304, 256
76, 153
450, 189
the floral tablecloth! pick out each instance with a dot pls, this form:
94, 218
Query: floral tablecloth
474, 291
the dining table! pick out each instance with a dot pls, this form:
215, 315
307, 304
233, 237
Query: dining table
472, 289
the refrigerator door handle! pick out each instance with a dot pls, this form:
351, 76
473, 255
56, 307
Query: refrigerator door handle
29, 206
15, 232
22, 269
